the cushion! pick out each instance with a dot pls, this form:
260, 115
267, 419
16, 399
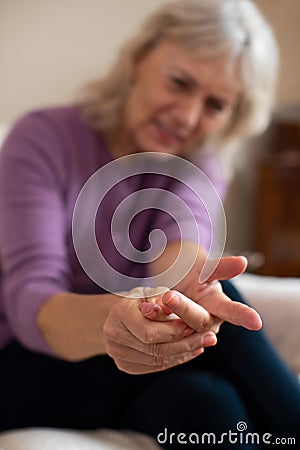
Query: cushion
277, 299
53, 439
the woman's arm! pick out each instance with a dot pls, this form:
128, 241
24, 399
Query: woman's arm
72, 324
81, 326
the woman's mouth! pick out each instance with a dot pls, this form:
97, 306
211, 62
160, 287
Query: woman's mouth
167, 135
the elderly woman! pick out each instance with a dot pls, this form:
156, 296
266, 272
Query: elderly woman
77, 324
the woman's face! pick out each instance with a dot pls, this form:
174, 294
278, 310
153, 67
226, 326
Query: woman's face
177, 100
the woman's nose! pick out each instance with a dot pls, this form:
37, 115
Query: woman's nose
188, 113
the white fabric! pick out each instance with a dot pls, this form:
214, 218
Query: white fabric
51, 439
277, 299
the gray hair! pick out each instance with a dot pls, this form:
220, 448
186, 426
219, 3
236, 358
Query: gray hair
210, 28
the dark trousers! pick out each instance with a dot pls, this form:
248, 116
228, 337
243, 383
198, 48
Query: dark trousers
238, 387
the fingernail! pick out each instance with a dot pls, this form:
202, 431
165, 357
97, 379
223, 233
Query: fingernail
166, 310
148, 309
171, 299
209, 339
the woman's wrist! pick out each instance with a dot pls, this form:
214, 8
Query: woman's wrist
72, 324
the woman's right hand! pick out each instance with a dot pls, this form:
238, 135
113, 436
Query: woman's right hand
139, 345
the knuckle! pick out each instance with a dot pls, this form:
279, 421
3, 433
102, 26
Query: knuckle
159, 361
201, 324
168, 350
107, 330
122, 365
216, 327
150, 334
155, 349
184, 307
194, 343
112, 333
113, 351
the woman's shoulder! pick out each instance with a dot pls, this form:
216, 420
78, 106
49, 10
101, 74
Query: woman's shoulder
54, 141
58, 117
56, 129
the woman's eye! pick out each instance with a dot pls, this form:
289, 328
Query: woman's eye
179, 82
216, 105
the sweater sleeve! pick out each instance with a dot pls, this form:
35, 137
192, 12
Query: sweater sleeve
33, 251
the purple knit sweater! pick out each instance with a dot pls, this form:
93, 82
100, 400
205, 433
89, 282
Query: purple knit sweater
44, 163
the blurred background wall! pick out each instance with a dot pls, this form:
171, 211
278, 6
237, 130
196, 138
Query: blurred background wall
49, 48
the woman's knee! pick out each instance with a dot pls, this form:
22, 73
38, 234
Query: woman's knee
191, 399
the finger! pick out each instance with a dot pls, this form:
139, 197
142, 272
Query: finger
192, 313
134, 325
161, 354
188, 344
217, 303
154, 295
155, 311
228, 267
135, 368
